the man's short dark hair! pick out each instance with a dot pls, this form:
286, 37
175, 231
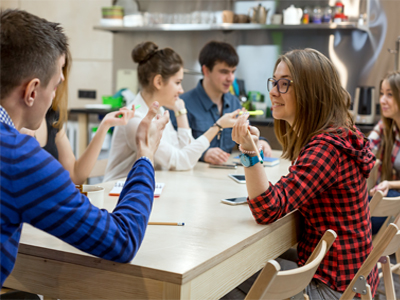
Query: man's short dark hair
30, 48
214, 52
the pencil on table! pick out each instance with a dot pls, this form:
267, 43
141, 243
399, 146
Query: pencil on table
255, 147
167, 223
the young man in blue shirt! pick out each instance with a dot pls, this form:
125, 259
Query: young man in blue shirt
211, 98
35, 188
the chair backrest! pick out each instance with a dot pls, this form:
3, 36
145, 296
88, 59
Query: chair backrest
390, 241
384, 206
275, 284
373, 175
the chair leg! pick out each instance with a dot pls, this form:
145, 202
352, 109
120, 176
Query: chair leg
368, 295
387, 278
397, 255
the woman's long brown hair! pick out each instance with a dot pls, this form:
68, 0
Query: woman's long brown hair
322, 104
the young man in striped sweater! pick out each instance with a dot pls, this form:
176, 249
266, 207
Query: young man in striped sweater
35, 188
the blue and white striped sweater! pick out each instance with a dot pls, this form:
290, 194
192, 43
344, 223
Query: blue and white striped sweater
35, 189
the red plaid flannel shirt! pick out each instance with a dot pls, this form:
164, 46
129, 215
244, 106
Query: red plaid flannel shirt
327, 185
375, 139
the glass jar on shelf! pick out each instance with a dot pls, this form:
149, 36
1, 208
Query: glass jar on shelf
306, 15
339, 15
317, 15
327, 15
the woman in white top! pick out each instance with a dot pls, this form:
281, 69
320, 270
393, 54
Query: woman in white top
160, 74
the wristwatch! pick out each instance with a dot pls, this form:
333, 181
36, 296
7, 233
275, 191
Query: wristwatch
249, 161
183, 111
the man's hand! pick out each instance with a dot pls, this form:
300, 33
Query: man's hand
149, 132
266, 148
216, 156
383, 187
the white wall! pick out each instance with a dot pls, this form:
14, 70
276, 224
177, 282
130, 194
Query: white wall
91, 49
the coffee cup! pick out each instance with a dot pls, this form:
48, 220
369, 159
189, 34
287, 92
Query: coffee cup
241, 18
95, 194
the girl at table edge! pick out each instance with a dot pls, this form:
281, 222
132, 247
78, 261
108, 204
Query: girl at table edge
160, 73
331, 161
52, 136
385, 142
385, 139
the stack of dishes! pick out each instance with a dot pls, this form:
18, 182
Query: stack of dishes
112, 16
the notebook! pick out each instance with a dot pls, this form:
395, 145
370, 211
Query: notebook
270, 161
118, 186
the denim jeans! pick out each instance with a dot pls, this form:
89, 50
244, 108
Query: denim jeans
377, 222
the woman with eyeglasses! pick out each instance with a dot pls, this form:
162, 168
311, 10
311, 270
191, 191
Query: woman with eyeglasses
331, 160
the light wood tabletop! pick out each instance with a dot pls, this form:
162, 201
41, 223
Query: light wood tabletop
219, 246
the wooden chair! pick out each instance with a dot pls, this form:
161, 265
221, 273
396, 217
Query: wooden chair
384, 207
373, 175
381, 207
386, 245
275, 284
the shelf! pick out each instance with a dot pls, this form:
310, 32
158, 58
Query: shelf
228, 27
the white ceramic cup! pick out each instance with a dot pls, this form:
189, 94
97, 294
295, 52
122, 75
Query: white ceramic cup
95, 194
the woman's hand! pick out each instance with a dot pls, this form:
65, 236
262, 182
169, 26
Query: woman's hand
384, 187
228, 119
240, 135
179, 105
117, 118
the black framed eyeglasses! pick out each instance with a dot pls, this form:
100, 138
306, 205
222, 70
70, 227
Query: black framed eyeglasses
283, 84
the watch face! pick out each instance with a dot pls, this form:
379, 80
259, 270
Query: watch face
245, 160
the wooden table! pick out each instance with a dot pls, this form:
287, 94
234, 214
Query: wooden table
218, 248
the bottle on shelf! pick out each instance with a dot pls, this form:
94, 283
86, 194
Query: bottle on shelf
339, 15
327, 15
317, 15
306, 15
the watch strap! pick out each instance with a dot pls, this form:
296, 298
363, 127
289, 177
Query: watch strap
253, 159
181, 112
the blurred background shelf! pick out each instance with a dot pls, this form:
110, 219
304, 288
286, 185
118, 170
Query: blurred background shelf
228, 26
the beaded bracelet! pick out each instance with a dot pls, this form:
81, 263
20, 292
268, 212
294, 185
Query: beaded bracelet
248, 151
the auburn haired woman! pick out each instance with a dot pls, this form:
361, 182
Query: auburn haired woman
331, 160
